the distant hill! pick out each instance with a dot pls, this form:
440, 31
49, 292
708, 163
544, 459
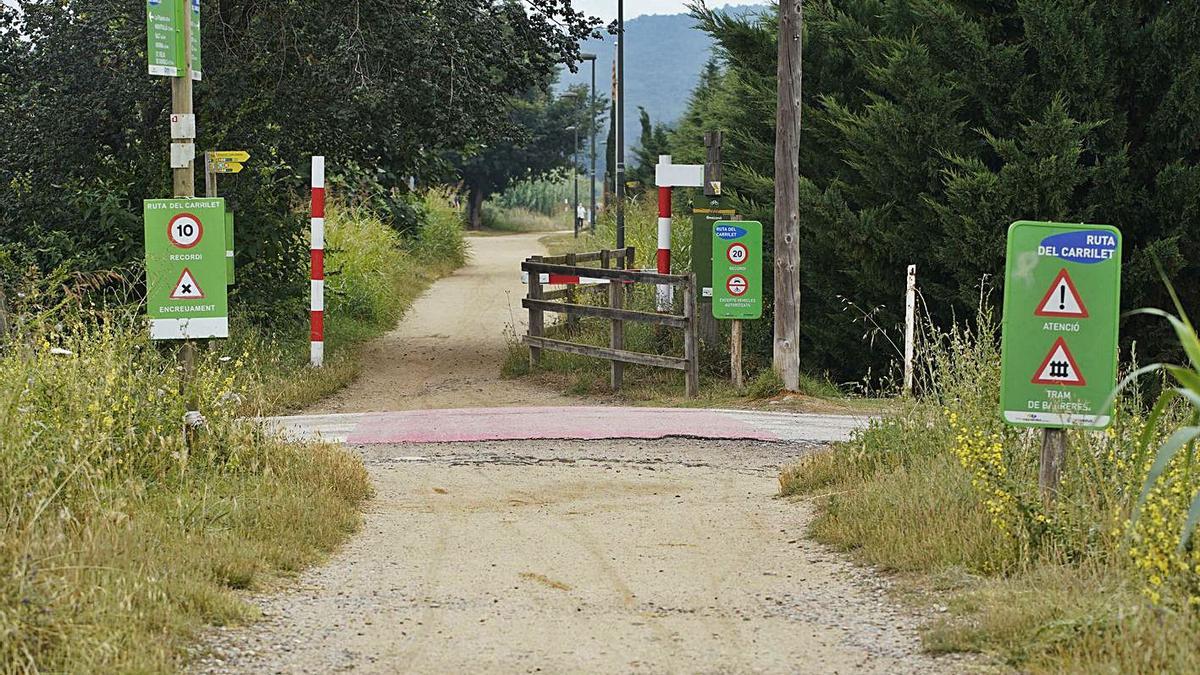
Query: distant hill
664, 55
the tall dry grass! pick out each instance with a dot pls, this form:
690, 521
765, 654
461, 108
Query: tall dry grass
118, 542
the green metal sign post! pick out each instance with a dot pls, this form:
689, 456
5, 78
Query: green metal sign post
737, 269
1061, 308
229, 273
737, 259
186, 268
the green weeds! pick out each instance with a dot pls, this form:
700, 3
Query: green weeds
941, 487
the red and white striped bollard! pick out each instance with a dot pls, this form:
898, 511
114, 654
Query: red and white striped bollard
317, 303
664, 295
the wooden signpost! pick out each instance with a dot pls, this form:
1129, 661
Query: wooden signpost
193, 306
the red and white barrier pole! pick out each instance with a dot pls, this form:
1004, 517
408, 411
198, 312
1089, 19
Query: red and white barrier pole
663, 294
317, 303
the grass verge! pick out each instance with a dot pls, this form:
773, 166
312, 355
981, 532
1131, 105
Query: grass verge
119, 541
945, 493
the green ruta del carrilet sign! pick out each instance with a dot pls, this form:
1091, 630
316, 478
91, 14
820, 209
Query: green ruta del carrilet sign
737, 269
186, 269
1062, 293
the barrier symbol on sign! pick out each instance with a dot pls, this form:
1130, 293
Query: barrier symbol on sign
185, 230
737, 285
1063, 299
1059, 367
738, 254
187, 288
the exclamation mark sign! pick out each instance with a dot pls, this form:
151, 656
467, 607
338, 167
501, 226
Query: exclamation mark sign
1062, 296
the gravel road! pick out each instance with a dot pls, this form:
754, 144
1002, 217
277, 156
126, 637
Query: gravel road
601, 556
447, 350
568, 556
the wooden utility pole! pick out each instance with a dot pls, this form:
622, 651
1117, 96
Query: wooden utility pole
712, 188
787, 200
183, 150
184, 177
3, 316
1054, 452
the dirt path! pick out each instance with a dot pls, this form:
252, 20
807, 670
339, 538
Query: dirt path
609, 556
447, 350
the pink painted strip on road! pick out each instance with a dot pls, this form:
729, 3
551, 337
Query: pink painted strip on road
511, 424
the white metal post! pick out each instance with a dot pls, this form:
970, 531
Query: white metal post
664, 292
910, 324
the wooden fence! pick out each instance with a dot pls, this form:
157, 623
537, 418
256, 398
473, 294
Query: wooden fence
612, 266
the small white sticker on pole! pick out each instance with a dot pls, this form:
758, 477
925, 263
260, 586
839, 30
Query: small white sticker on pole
183, 126
182, 155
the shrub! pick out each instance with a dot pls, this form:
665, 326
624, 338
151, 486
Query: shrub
440, 238
765, 385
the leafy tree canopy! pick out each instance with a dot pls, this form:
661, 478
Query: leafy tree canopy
931, 125
537, 141
390, 84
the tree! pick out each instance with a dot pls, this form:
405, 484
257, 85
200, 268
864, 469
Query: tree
652, 142
932, 125
538, 141
391, 85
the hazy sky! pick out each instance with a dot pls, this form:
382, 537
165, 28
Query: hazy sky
607, 9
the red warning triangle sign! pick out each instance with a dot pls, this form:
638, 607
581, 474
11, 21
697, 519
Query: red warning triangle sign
187, 288
1059, 367
1063, 299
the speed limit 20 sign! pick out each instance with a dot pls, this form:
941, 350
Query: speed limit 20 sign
737, 269
186, 294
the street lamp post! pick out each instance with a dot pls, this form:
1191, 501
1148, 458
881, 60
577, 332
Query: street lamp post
592, 143
575, 179
620, 122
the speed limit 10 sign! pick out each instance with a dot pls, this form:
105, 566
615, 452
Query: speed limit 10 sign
186, 269
185, 230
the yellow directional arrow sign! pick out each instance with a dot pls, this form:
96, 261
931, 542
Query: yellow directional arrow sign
227, 167
230, 156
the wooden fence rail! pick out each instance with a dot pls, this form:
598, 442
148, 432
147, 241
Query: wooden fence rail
539, 301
